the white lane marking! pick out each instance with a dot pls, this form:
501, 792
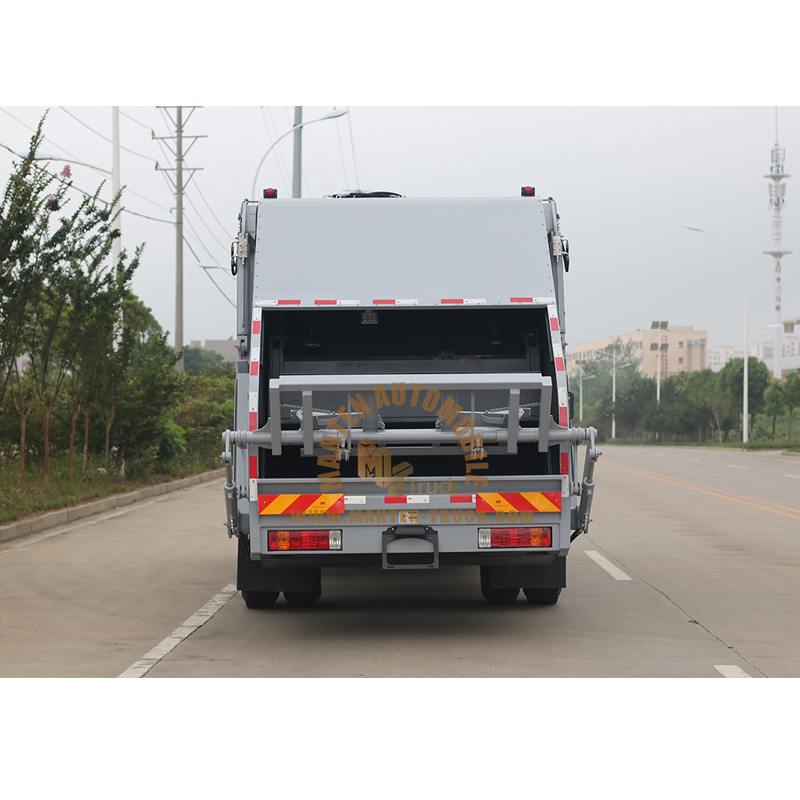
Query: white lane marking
692, 459
658, 455
735, 466
199, 618
613, 571
792, 476
731, 671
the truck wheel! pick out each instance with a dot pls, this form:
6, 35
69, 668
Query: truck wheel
500, 597
542, 597
302, 599
259, 599
496, 596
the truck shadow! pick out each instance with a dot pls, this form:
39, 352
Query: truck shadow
375, 602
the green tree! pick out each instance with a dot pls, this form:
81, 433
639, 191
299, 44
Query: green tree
791, 395
145, 433
205, 408
195, 360
774, 402
100, 293
25, 398
30, 246
731, 379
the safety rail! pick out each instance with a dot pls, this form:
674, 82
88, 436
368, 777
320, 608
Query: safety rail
363, 407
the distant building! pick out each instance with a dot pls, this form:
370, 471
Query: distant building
683, 349
719, 356
764, 351
225, 347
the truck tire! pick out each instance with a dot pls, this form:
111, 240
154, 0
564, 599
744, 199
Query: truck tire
496, 595
259, 599
302, 599
500, 597
542, 597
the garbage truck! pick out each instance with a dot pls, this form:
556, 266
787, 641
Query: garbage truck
401, 397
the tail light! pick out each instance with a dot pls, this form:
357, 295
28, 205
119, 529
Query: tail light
304, 540
515, 537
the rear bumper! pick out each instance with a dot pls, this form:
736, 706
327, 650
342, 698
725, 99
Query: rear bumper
332, 560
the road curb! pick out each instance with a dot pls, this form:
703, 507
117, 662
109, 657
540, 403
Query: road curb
64, 515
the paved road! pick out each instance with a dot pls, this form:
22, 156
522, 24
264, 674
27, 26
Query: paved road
691, 570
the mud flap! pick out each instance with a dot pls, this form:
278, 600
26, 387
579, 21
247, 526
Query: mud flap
253, 576
540, 576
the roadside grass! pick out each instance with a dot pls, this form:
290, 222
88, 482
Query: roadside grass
100, 482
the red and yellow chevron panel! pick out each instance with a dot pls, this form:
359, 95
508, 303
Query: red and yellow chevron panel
301, 504
502, 502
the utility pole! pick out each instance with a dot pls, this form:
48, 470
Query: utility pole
116, 245
777, 192
298, 151
116, 183
179, 186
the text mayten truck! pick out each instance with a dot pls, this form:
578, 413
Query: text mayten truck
401, 394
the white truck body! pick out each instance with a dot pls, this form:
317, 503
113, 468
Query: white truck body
401, 394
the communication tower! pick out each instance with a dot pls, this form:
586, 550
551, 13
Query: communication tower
777, 192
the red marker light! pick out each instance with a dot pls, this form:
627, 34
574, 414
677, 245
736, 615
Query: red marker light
515, 537
528, 191
270, 193
304, 540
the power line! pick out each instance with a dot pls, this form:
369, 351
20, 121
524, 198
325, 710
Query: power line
341, 153
353, 147
71, 185
89, 166
197, 236
127, 150
204, 223
44, 138
219, 288
224, 229
133, 119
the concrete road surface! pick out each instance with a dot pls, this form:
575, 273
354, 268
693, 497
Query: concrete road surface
691, 569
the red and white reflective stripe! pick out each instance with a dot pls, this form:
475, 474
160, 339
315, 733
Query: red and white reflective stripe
563, 415
394, 302
565, 463
408, 499
463, 301
325, 302
256, 327
539, 301
462, 498
255, 356
559, 364
253, 410
552, 312
355, 500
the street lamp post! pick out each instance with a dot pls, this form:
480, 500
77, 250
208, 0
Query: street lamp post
580, 384
330, 115
746, 381
659, 325
613, 388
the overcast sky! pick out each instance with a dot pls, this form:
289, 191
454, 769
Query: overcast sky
626, 180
